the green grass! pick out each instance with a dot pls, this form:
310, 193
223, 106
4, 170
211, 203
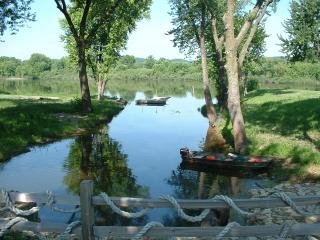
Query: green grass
25, 122
286, 124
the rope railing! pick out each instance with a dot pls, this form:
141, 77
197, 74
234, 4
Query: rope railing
10, 224
51, 201
5, 197
286, 199
9, 205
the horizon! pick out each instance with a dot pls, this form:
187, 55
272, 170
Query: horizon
149, 37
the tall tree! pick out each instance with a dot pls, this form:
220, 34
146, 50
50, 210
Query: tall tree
190, 20
303, 31
236, 47
86, 20
106, 44
14, 14
225, 18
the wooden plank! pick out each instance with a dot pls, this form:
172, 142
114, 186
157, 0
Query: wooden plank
207, 203
41, 227
241, 231
87, 210
42, 198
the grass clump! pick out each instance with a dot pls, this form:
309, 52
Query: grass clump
27, 122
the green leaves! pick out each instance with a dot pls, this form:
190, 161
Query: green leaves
303, 31
14, 13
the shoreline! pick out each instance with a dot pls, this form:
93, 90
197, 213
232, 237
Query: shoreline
62, 125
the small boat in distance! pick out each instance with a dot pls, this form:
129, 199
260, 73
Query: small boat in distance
156, 101
228, 161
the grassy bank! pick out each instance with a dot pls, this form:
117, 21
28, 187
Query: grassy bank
28, 122
286, 124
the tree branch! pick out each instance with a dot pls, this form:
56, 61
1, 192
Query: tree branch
218, 41
101, 21
246, 26
61, 5
253, 30
83, 21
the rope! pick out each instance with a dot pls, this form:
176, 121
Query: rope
232, 205
182, 214
8, 205
227, 229
285, 198
145, 229
285, 230
51, 201
10, 224
117, 210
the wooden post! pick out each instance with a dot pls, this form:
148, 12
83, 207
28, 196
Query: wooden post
87, 209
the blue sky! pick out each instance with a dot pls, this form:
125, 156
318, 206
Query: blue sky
149, 37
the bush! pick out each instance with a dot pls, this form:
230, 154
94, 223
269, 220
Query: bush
252, 84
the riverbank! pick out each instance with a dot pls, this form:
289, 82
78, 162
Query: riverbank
285, 123
27, 122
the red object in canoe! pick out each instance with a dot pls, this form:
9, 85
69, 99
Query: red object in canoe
211, 158
255, 160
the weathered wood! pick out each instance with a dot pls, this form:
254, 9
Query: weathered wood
87, 210
40, 227
241, 231
42, 198
207, 203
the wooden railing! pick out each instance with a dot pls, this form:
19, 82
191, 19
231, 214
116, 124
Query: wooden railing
89, 231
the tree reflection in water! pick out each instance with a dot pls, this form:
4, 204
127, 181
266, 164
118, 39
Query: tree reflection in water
99, 158
189, 184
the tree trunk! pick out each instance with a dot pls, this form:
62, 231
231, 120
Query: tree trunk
101, 87
214, 140
239, 133
222, 82
245, 84
84, 86
211, 113
201, 184
86, 149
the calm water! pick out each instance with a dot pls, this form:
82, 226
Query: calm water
137, 154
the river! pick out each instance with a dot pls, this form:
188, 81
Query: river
136, 154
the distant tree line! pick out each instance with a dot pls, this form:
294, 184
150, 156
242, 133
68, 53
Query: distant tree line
268, 69
37, 66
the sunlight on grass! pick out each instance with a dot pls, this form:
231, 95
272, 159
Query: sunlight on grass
285, 124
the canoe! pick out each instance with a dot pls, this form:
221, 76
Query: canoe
156, 101
228, 161
230, 172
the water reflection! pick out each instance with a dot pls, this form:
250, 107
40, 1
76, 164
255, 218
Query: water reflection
100, 158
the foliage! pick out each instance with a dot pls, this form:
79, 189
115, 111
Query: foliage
37, 66
14, 14
103, 41
302, 28
279, 70
8, 66
149, 62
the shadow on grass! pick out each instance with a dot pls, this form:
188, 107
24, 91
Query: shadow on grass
30, 122
261, 92
286, 118
300, 159
4, 92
